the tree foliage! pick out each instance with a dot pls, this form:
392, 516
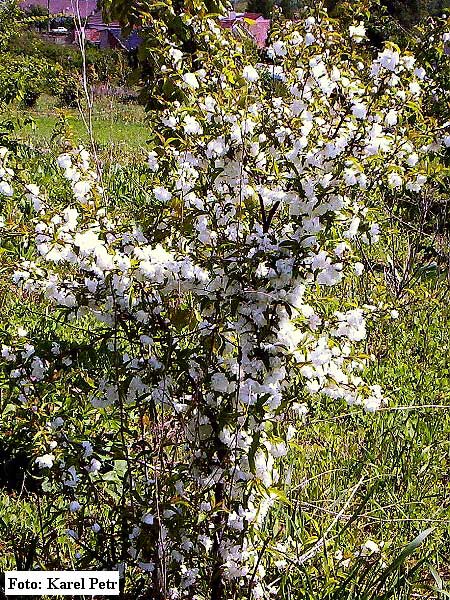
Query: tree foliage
263, 7
179, 344
21, 77
168, 28
406, 12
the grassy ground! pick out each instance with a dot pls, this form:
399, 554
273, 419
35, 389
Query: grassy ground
381, 477
114, 123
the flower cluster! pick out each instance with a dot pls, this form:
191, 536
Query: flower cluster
6, 174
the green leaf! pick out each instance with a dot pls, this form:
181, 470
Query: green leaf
280, 495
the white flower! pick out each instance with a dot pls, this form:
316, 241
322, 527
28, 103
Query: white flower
278, 450
394, 180
250, 74
374, 232
95, 466
369, 547
64, 161
219, 383
37, 369
352, 231
357, 32
170, 121
391, 118
279, 48
415, 88
408, 62
351, 325
152, 161
81, 189
33, 190
417, 185
7, 354
373, 402
148, 519
192, 126
57, 422
6, 189
412, 160
73, 481
176, 55
350, 176
87, 241
359, 110
389, 59
72, 534
95, 527
420, 73
74, 506
45, 461
359, 268
191, 80
162, 194
55, 349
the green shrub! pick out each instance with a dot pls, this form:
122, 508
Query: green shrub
23, 78
105, 65
70, 93
30, 97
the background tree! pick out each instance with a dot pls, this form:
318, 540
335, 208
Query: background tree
9, 15
39, 16
406, 12
168, 37
289, 8
263, 7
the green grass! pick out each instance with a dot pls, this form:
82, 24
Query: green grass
382, 476
113, 123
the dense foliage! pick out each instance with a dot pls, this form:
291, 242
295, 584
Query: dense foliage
105, 66
31, 66
407, 12
264, 7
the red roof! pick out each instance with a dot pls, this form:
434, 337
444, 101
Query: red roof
252, 16
70, 8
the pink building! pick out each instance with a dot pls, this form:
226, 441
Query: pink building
253, 24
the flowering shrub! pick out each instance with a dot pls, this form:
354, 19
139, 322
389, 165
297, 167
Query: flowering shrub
204, 326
